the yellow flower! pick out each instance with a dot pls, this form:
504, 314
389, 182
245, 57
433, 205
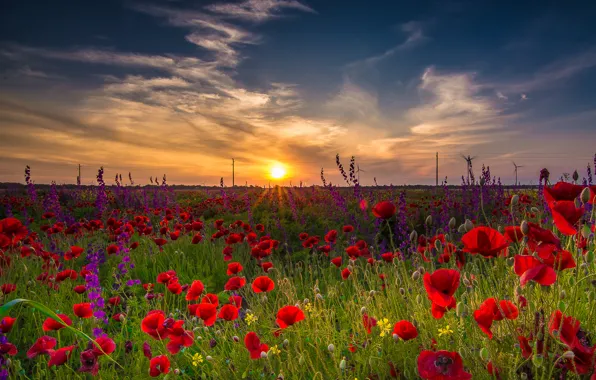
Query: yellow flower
197, 359
308, 307
385, 326
274, 350
446, 331
251, 318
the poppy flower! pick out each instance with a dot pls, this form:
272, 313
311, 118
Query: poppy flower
441, 285
566, 216
8, 288
513, 234
195, 290
113, 249
266, 266
158, 365
228, 312
234, 268
52, 325
485, 241
236, 301
388, 257
89, 362
254, 346
6, 324
160, 242
174, 287
525, 346
336, 261
184, 338
41, 346
289, 315
80, 289
60, 356
152, 324
8, 349
235, 283
331, 236
384, 210
106, 344
83, 310
303, 236
347, 229
490, 311
566, 326
115, 301
345, 273
562, 191
368, 322
73, 253
537, 234
66, 274
13, 229
210, 298
441, 365
263, 284
582, 361
529, 268
208, 313
134, 245
405, 330
165, 277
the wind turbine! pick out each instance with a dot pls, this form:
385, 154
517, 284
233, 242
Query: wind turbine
516, 167
469, 166
358, 170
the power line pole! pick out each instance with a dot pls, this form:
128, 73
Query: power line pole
232, 172
79, 177
437, 170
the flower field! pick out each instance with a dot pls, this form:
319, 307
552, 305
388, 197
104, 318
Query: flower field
125, 282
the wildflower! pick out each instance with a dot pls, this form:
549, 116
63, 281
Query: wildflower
197, 359
289, 315
446, 331
263, 284
441, 365
254, 346
384, 210
250, 319
385, 326
440, 287
274, 350
405, 330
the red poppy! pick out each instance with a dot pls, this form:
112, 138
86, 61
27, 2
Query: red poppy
485, 241
441, 285
83, 310
490, 311
562, 191
513, 234
234, 268
8, 288
347, 229
493, 370
525, 346
165, 277
368, 322
73, 253
566, 216
89, 362
152, 324
566, 327
228, 312
52, 325
6, 324
113, 249
405, 330
345, 273
158, 365
43, 345
384, 210
263, 284
388, 257
530, 268
8, 348
235, 283
289, 315
66, 274
160, 242
441, 365
80, 289
331, 236
13, 229
336, 261
582, 361
174, 287
266, 266
195, 290
236, 301
554, 257
537, 234
303, 236
254, 346
210, 298
183, 338
106, 344
60, 356
208, 313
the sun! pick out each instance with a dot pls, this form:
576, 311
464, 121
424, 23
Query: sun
278, 172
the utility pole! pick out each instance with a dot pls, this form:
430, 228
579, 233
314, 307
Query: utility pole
437, 170
232, 172
79, 176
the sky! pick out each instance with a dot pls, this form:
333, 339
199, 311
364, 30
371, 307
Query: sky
182, 87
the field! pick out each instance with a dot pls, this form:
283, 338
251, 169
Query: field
126, 282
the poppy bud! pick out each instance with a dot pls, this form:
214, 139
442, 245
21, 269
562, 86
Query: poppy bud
429, 220
510, 261
466, 282
501, 229
317, 290
414, 236
484, 354
585, 195
351, 268
416, 275
590, 296
319, 296
372, 293
459, 309
461, 229
535, 210
395, 337
438, 245
418, 299
421, 270
562, 295
577, 203
209, 358
177, 371
589, 257
524, 227
362, 310
537, 360
235, 338
469, 225
306, 300
331, 348
514, 200
402, 291
285, 343
342, 364
452, 223
524, 376
263, 355
586, 231
568, 355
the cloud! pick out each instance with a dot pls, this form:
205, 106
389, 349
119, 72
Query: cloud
257, 10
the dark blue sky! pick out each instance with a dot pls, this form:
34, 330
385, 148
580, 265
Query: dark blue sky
182, 86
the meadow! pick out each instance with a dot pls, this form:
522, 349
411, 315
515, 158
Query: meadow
123, 281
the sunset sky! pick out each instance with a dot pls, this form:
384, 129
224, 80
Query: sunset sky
181, 87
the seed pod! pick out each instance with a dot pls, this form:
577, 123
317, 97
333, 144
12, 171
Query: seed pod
461, 229
372, 293
585, 195
416, 275
466, 282
514, 200
263, 355
469, 225
331, 348
342, 364
452, 223
537, 360
363, 310
510, 261
413, 236
524, 227
562, 295
285, 343
484, 354
438, 245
